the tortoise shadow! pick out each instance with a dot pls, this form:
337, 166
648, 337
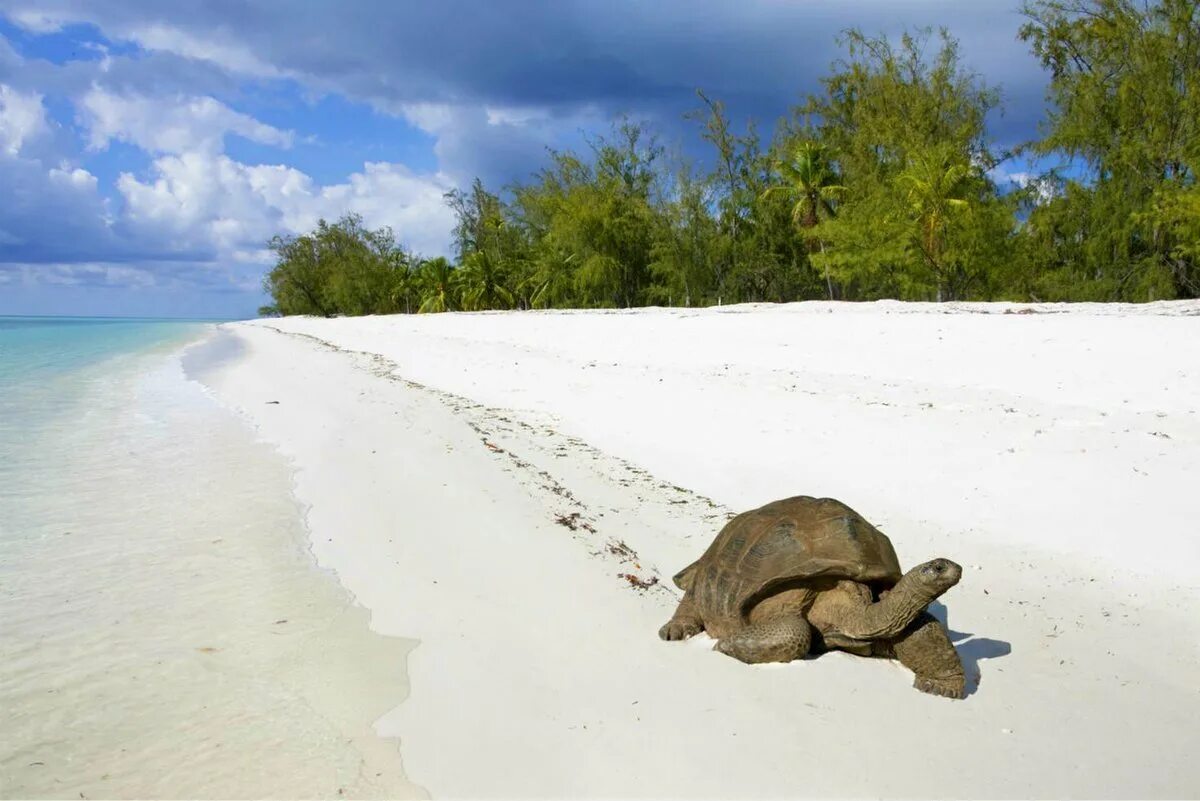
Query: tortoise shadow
971, 649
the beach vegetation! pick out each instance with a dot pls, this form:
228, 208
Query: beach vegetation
885, 182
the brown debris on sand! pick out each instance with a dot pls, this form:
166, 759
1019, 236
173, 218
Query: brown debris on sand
637, 582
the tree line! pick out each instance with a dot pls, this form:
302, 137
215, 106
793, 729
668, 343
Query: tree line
878, 185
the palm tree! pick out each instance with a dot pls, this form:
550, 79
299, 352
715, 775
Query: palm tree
553, 280
405, 280
939, 185
438, 286
811, 181
481, 284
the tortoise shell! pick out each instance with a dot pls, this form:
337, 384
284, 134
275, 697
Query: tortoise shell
785, 541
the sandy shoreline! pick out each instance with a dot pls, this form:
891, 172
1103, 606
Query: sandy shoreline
164, 631
482, 483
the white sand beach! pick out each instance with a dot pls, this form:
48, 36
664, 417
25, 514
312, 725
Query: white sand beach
494, 485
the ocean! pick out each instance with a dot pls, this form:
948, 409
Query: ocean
164, 629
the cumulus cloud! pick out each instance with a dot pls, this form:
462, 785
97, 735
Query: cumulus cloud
52, 214
193, 204
172, 124
208, 199
74, 177
198, 220
22, 118
391, 194
46, 213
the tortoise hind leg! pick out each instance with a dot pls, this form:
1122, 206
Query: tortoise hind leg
780, 638
924, 647
685, 622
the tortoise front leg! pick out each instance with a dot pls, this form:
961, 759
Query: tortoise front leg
685, 622
925, 649
780, 638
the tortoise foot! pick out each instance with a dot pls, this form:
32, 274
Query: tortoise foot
948, 687
680, 629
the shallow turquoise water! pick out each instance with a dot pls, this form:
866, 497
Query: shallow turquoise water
48, 365
150, 553
39, 348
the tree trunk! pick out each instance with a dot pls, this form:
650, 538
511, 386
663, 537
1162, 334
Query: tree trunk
828, 281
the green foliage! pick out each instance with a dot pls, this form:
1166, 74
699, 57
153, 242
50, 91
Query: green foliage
340, 268
683, 266
595, 218
812, 185
811, 182
1125, 99
482, 282
439, 286
876, 186
910, 143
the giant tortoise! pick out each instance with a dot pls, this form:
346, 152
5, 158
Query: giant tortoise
803, 575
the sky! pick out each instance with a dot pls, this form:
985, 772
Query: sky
149, 150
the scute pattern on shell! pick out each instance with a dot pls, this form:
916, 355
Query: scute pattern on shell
792, 539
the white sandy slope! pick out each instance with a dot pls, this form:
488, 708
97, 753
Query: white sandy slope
1056, 455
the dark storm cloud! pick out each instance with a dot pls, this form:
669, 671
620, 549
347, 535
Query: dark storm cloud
492, 83
645, 58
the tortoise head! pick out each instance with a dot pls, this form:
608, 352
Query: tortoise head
937, 575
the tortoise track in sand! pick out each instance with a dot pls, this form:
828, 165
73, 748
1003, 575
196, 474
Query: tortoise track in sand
621, 500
